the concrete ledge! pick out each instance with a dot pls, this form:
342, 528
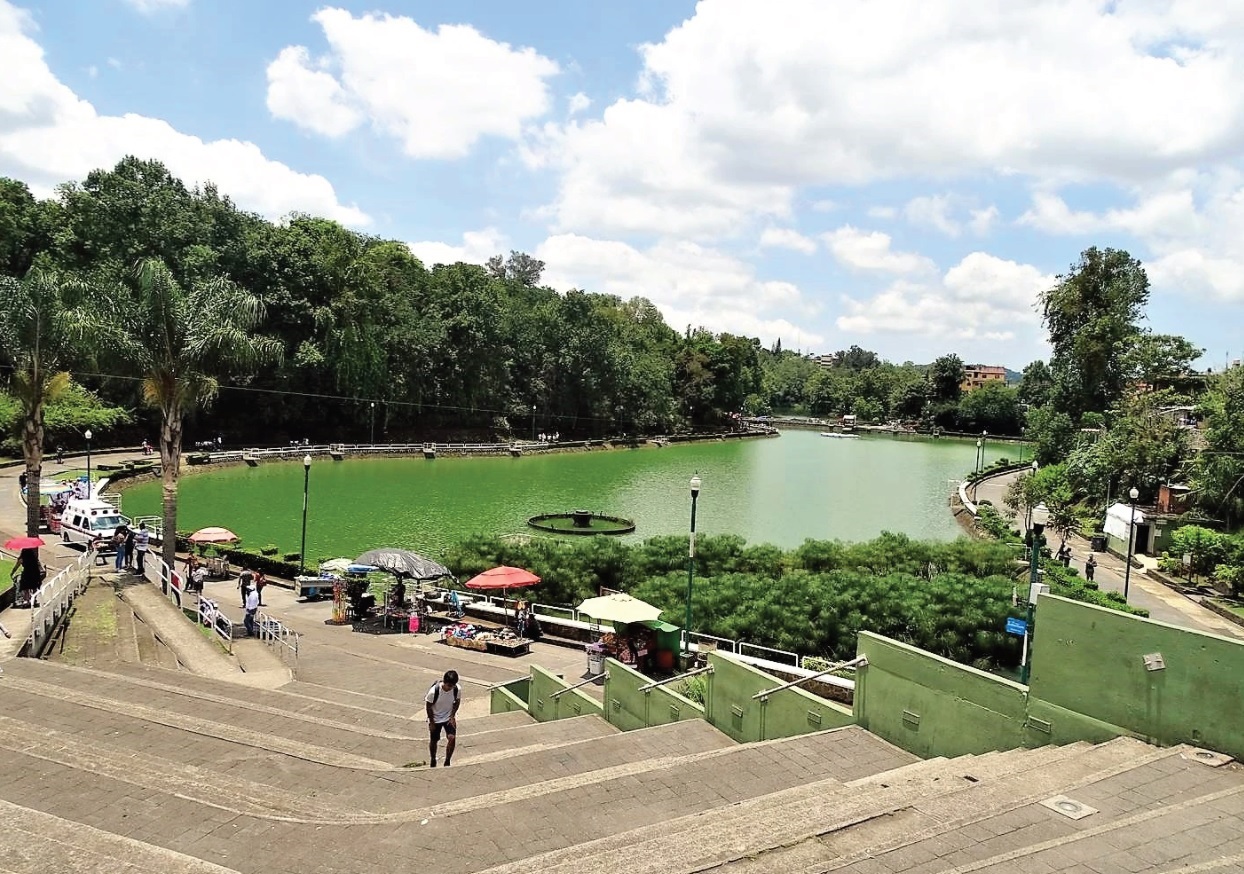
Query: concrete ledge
196, 653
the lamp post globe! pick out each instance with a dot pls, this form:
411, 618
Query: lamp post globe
372, 437
980, 454
1133, 493
695, 495
88, 436
306, 484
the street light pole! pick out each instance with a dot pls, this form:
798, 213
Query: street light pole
1040, 516
87, 435
1131, 541
306, 484
372, 439
980, 454
533, 423
695, 494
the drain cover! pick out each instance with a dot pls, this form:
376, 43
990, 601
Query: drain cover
1207, 757
1068, 807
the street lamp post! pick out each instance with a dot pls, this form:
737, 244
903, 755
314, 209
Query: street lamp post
695, 494
372, 439
533, 423
87, 435
306, 484
980, 454
1131, 541
1040, 516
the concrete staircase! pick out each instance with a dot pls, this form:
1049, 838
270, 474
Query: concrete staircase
133, 767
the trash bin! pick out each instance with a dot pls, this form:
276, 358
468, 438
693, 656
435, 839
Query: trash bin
595, 658
1098, 542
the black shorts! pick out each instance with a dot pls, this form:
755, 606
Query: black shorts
450, 730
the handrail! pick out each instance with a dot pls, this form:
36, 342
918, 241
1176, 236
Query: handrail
858, 661
591, 679
650, 686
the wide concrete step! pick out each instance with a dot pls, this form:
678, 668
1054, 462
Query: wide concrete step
786, 818
39, 842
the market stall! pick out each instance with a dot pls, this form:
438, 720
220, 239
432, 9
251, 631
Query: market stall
502, 641
631, 631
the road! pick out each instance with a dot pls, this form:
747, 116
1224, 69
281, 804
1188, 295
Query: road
1164, 604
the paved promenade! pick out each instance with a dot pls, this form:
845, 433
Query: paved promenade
1163, 603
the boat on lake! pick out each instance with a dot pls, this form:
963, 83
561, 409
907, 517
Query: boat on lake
840, 436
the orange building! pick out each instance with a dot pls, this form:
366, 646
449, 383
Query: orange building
976, 375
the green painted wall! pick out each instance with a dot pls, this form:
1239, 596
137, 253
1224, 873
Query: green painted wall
733, 711
931, 706
510, 696
628, 708
544, 707
1089, 660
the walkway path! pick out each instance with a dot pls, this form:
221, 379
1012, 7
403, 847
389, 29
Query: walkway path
1163, 603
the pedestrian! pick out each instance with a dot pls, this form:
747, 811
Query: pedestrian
142, 542
21, 481
60, 454
118, 540
245, 578
260, 582
131, 540
29, 574
443, 701
252, 607
1090, 567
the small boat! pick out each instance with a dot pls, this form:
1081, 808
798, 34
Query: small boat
838, 436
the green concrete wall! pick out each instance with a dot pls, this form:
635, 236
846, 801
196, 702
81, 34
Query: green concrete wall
733, 711
544, 707
931, 706
1089, 660
510, 696
628, 708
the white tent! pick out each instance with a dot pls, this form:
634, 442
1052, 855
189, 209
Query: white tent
1117, 521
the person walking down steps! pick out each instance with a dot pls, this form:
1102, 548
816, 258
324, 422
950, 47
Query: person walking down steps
443, 700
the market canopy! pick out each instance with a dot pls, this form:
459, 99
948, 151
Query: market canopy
403, 563
212, 535
336, 565
619, 607
503, 578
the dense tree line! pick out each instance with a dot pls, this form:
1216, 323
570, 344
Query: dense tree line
438, 349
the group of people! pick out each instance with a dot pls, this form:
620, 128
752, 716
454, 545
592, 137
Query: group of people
1064, 556
550, 438
131, 546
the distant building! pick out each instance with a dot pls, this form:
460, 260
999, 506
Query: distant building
976, 375
827, 361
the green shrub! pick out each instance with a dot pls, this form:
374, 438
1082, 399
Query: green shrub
270, 549
293, 556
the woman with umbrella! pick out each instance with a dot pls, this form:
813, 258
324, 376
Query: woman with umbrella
29, 572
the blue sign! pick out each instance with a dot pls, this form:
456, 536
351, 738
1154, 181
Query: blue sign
1016, 626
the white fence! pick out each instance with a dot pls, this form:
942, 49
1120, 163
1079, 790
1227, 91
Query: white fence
279, 636
170, 580
295, 452
53, 599
211, 617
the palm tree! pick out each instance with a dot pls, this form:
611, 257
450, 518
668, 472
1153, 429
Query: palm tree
41, 332
181, 342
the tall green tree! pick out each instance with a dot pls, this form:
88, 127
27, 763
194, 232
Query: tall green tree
1218, 471
1092, 315
946, 379
1036, 384
181, 342
42, 331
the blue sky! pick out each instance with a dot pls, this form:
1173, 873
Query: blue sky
902, 174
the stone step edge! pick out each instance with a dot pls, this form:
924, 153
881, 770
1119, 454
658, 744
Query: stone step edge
35, 825
205, 727
789, 805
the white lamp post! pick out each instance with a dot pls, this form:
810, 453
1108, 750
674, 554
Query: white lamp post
695, 494
1131, 540
306, 484
87, 435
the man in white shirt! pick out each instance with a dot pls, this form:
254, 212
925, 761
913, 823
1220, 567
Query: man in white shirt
142, 542
443, 700
252, 607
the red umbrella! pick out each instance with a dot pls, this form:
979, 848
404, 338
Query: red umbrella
23, 543
503, 578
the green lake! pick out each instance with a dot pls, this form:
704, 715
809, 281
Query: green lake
780, 490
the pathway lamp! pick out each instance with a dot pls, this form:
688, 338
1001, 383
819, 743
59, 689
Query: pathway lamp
1040, 516
695, 494
372, 440
1131, 540
980, 454
306, 484
87, 435
533, 423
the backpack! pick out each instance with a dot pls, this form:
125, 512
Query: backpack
436, 696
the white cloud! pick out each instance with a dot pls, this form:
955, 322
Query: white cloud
933, 211
744, 103
48, 135
476, 248
438, 92
577, 103
980, 298
982, 220
786, 238
691, 284
871, 251
147, 7
824, 206
884, 213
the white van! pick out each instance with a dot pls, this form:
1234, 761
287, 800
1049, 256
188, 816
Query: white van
87, 519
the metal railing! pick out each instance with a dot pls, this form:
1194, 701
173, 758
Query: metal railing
170, 580
648, 687
787, 654
298, 451
211, 617
591, 679
859, 661
279, 636
53, 599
